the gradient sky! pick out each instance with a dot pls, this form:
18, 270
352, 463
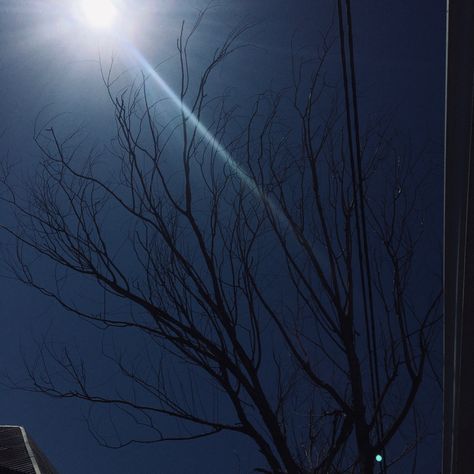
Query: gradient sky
49, 65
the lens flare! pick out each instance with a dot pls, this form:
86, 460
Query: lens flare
204, 132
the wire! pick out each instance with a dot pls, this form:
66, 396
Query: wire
362, 210
361, 224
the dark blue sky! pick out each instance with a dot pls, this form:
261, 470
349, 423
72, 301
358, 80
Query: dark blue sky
49, 65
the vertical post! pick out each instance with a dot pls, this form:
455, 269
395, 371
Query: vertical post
458, 372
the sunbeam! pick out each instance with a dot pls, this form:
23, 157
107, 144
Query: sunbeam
202, 129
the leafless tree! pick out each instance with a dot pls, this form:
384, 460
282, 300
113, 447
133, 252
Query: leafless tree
275, 295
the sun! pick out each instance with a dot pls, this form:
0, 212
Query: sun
99, 13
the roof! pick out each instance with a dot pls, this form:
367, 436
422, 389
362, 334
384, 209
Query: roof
19, 454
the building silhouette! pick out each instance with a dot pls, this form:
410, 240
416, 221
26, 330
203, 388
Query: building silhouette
19, 453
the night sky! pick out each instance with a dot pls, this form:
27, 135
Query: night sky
49, 65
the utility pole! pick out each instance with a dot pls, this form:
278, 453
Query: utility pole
458, 372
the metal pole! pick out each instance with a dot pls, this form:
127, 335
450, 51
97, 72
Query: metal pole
458, 371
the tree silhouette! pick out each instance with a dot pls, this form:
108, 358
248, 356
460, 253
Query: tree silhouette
269, 267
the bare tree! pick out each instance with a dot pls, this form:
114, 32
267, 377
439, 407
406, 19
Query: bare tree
268, 305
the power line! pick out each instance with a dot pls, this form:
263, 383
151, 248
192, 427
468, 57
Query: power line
353, 128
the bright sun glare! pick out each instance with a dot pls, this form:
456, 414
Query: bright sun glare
99, 13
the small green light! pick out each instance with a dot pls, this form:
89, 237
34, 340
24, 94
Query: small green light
378, 458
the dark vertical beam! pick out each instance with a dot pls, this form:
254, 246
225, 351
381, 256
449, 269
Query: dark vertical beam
458, 376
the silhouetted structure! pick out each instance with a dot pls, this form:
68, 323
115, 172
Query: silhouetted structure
458, 431
20, 455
